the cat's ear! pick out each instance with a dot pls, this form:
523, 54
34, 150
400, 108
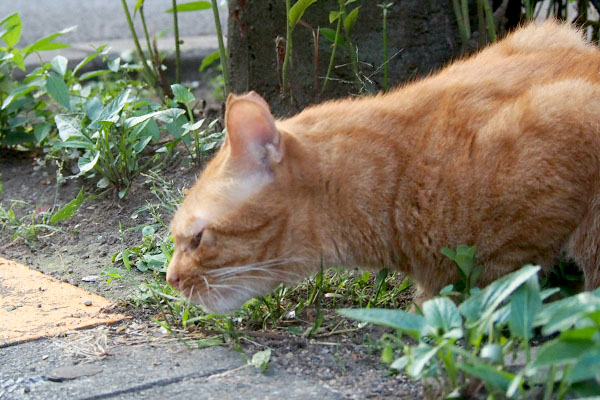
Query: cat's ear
251, 130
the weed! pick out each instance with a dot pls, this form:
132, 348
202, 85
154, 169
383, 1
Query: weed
468, 346
24, 114
42, 220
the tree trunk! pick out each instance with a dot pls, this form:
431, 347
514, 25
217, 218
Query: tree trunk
421, 38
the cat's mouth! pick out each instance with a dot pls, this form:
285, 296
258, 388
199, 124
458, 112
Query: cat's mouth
227, 289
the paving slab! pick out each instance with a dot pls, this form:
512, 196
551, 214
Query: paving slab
45, 369
34, 305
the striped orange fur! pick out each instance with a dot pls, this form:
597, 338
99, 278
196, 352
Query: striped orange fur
500, 150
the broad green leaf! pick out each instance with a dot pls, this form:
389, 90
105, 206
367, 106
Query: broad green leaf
492, 352
141, 145
559, 351
68, 125
192, 6
150, 129
442, 314
297, 11
484, 303
138, 4
21, 91
46, 43
488, 374
447, 290
103, 184
57, 88
182, 94
175, 127
589, 333
69, 209
94, 74
59, 64
409, 323
333, 16
260, 359
83, 62
79, 143
134, 121
19, 59
560, 315
420, 357
114, 65
400, 363
12, 31
330, 35
115, 106
587, 367
525, 303
93, 108
86, 164
41, 131
209, 59
148, 230
350, 19
192, 127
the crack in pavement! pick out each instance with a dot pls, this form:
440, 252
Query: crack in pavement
152, 384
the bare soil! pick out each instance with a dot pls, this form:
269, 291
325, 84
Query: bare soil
347, 363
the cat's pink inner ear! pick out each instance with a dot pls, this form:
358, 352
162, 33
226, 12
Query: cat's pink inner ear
251, 129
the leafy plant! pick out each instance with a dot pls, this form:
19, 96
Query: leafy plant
385, 7
470, 346
345, 20
24, 115
198, 137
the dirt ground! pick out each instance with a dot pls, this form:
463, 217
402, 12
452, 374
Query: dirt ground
348, 364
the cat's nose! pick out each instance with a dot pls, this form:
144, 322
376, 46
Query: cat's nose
173, 278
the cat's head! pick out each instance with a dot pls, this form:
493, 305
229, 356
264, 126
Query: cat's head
233, 232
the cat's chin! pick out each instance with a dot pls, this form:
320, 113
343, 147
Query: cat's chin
224, 303
222, 309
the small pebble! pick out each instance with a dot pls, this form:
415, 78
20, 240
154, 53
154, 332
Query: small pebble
90, 278
87, 303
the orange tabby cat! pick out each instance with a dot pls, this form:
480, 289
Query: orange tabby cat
500, 151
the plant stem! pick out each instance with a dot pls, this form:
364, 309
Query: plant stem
465, 17
177, 50
489, 19
147, 36
459, 21
549, 387
528, 10
147, 71
222, 51
288, 49
335, 41
385, 49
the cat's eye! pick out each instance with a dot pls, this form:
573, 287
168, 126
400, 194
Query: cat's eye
195, 241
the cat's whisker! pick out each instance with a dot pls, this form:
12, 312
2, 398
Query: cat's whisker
234, 270
265, 266
190, 294
278, 275
241, 289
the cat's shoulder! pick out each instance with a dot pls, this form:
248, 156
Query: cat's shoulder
547, 35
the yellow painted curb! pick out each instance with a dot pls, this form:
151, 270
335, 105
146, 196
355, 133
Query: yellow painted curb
34, 305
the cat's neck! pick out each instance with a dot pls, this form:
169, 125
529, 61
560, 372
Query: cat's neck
346, 158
